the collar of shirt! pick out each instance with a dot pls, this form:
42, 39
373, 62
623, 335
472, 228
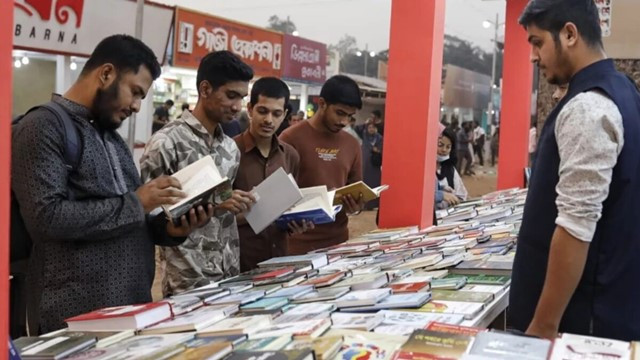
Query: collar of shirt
250, 144
74, 108
199, 129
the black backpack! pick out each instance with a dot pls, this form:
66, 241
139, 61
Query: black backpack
21, 243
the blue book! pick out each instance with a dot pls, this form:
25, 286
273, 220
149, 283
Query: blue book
13, 352
316, 206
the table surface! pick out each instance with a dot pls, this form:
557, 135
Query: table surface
490, 311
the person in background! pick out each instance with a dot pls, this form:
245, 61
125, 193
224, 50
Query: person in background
448, 177
284, 125
533, 139
465, 137
351, 130
375, 119
262, 154
93, 237
372, 161
183, 108
560, 92
212, 252
479, 136
161, 116
297, 118
330, 157
577, 267
495, 143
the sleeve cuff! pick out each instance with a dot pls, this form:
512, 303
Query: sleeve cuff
580, 228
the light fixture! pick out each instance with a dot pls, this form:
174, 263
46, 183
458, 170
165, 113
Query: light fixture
73, 66
17, 63
372, 54
295, 33
486, 24
25, 60
358, 53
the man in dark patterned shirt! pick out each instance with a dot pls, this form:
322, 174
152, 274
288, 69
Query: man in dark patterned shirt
93, 243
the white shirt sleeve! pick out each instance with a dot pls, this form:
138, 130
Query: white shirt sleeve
590, 137
458, 186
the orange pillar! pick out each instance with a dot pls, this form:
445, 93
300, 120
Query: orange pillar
412, 112
6, 44
516, 100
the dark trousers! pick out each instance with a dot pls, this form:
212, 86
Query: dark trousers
464, 155
479, 150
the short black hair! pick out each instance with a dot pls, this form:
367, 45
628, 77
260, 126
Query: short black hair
553, 15
377, 113
341, 89
126, 53
222, 67
169, 102
270, 87
185, 106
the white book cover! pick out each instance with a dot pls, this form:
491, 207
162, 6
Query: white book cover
316, 260
195, 320
469, 310
359, 345
300, 328
356, 321
240, 298
244, 325
494, 289
313, 308
399, 330
414, 279
411, 300
570, 346
146, 346
421, 261
274, 196
362, 297
418, 320
292, 292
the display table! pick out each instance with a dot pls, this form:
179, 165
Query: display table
493, 315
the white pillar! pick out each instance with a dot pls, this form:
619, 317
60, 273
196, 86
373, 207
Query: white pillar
63, 73
304, 97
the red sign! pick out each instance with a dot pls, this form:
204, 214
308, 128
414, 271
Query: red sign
304, 60
62, 10
198, 34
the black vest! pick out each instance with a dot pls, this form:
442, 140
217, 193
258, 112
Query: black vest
607, 300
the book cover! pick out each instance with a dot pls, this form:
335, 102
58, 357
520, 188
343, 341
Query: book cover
275, 273
240, 298
120, 318
396, 301
493, 289
274, 196
414, 287
418, 320
292, 292
265, 304
398, 330
466, 296
325, 347
482, 279
288, 318
304, 354
153, 346
97, 354
326, 280
316, 308
193, 321
365, 281
237, 325
265, 344
315, 206
184, 304
505, 346
299, 330
316, 260
357, 321
362, 297
234, 340
468, 310
316, 216
453, 329
199, 181
448, 284
570, 346
358, 188
359, 345
52, 347
433, 345
204, 348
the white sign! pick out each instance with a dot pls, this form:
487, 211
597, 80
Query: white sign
75, 27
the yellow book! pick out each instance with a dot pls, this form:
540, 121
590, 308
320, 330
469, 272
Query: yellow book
356, 189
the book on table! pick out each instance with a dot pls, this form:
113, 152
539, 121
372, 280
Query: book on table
199, 180
356, 189
316, 206
427, 344
121, 318
56, 347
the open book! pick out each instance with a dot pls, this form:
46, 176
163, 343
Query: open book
199, 180
356, 189
315, 206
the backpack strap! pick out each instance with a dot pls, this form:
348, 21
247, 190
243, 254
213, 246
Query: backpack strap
72, 147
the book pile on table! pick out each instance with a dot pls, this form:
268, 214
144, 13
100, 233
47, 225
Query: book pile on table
394, 293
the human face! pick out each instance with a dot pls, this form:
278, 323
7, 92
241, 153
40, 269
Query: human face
372, 129
266, 116
224, 103
560, 92
444, 146
120, 96
337, 116
550, 55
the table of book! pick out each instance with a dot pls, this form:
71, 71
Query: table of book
275, 311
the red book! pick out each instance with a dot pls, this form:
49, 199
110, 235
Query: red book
121, 318
453, 329
274, 274
409, 287
326, 280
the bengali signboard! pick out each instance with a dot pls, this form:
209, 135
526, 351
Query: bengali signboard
304, 60
198, 34
75, 27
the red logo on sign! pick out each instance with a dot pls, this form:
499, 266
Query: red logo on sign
45, 8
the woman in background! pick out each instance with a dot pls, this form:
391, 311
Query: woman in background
448, 177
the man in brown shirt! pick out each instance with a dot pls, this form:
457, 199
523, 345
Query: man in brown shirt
328, 156
261, 155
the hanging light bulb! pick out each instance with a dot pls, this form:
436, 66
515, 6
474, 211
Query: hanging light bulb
73, 66
25, 60
17, 63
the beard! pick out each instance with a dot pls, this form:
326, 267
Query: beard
105, 105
